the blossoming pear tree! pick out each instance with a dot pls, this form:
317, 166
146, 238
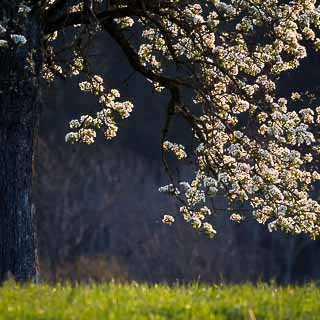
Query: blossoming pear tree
230, 56
220, 61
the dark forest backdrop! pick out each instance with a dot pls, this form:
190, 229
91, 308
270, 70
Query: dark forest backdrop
99, 210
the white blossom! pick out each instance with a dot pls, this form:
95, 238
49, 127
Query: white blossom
19, 39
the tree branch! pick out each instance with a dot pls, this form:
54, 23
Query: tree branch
134, 58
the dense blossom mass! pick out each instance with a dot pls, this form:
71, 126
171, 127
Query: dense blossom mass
221, 61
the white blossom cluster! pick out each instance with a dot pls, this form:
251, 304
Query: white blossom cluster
168, 219
105, 119
24, 9
3, 43
17, 39
125, 22
236, 217
197, 219
177, 149
271, 167
77, 65
170, 189
49, 73
74, 67
93, 85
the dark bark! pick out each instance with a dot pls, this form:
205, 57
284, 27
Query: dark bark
19, 111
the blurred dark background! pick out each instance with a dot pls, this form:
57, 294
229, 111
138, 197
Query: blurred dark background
99, 210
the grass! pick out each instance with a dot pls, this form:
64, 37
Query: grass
138, 301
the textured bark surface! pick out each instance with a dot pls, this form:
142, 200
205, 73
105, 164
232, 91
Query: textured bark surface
19, 110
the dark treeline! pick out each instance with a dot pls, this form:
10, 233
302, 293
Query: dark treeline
99, 211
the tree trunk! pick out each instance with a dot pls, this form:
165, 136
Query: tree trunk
19, 110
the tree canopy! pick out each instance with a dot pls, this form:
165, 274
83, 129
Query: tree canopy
221, 62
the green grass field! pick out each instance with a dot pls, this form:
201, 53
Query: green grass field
133, 301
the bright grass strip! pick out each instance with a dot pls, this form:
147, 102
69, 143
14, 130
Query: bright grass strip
155, 302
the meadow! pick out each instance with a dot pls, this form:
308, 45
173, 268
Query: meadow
141, 301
